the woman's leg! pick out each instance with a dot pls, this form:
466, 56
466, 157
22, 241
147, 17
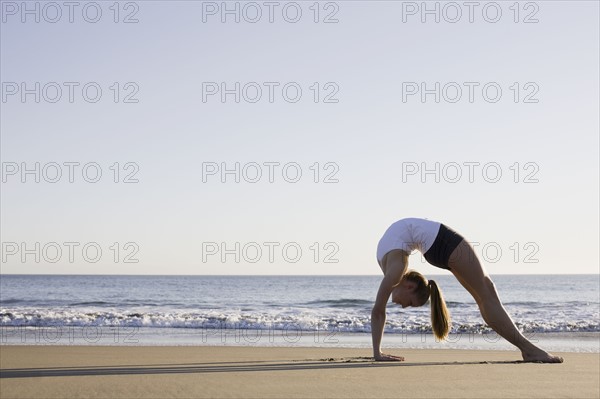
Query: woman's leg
468, 270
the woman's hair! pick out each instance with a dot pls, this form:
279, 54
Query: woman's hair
440, 318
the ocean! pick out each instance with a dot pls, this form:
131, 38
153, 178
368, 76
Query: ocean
560, 312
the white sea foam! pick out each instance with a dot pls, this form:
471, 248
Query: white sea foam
306, 319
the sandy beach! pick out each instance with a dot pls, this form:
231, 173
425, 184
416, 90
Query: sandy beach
224, 372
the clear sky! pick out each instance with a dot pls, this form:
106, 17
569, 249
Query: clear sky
337, 119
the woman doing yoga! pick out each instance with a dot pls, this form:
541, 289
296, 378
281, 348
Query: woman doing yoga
444, 248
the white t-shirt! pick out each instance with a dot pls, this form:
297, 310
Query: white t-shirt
408, 234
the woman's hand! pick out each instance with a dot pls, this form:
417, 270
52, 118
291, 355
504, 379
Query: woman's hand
388, 358
396, 264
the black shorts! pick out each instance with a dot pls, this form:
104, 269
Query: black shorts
444, 244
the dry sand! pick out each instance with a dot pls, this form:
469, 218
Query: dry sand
197, 372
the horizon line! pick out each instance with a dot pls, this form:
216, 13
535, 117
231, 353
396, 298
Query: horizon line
280, 275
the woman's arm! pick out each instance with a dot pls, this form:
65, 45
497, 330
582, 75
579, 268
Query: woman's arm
396, 266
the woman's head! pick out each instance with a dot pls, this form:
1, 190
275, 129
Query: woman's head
415, 290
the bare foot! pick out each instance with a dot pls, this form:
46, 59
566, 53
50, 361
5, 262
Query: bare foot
540, 356
389, 358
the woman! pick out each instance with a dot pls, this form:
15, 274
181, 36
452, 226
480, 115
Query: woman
444, 248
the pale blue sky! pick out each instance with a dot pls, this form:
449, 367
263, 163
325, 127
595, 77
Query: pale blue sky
370, 134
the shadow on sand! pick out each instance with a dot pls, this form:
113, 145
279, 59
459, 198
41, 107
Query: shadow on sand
224, 367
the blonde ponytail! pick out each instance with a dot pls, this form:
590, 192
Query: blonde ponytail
440, 318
